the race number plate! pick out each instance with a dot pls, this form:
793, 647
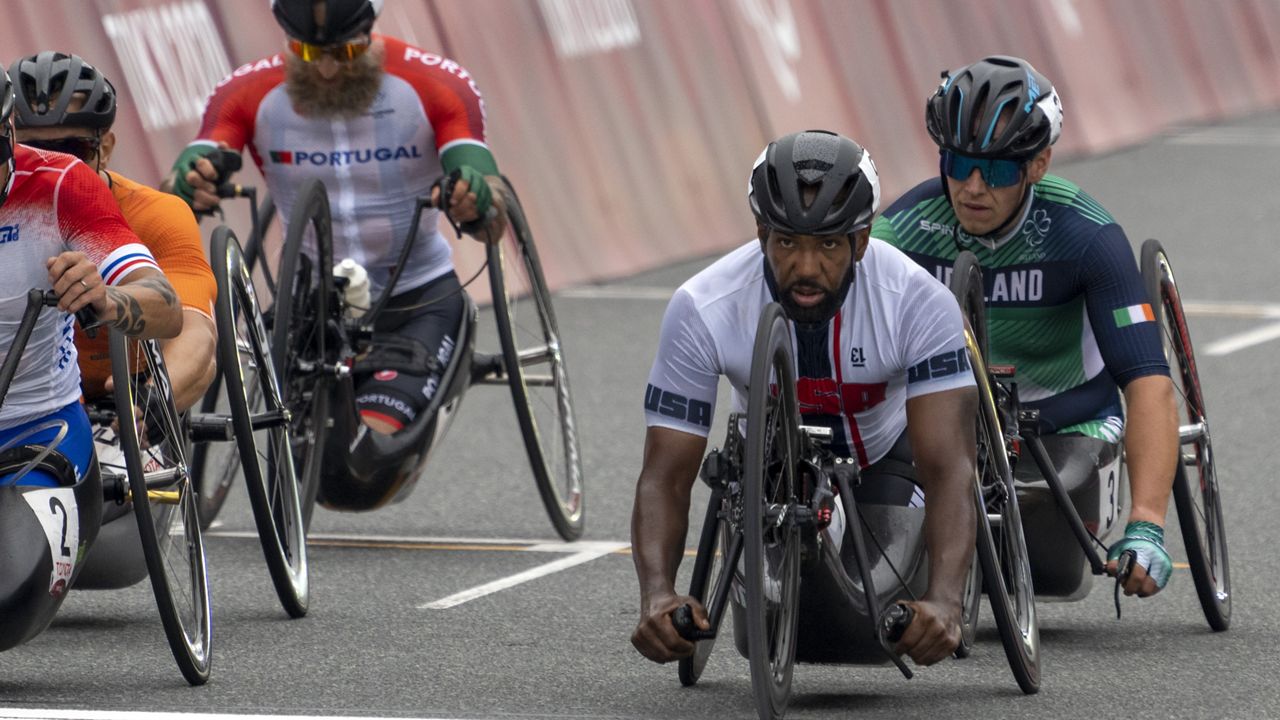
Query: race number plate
55, 508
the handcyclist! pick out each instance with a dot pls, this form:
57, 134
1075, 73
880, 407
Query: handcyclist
881, 361
1066, 302
64, 104
60, 229
380, 122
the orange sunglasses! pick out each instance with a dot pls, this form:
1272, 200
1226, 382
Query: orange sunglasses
342, 52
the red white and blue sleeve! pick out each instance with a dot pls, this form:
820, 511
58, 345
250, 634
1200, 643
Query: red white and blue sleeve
90, 222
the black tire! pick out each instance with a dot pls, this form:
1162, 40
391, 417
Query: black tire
254, 397
300, 348
770, 485
1002, 547
1195, 487
169, 528
212, 479
530, 338
708, 574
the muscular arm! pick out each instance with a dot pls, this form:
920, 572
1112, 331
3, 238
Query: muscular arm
659, 524
144, 306
189, 357
941, 428
1151, 445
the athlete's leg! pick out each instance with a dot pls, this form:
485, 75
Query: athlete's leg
66, 432
391, 398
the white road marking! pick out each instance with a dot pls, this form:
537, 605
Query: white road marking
31, 714
1208, 308
1240, 341
1252, 137
598, 550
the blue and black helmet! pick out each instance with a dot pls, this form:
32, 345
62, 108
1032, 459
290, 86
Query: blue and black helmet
962, 116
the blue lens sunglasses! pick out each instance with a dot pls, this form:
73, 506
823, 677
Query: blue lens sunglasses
996, 172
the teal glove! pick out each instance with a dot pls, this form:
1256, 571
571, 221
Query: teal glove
185, 162
1146, 540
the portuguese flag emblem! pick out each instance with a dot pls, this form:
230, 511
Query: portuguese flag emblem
1133, 315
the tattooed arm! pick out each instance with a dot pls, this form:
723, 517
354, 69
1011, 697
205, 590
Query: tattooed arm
144, 305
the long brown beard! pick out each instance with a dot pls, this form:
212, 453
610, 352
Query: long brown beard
349, 96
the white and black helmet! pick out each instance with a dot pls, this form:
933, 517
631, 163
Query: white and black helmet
841, 171
962, 114
343, 19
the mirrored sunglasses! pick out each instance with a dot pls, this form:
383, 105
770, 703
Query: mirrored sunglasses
342, 52
996, 172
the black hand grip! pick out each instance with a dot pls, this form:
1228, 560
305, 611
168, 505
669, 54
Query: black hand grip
86, 315
1124, 568
682, 619
895, 620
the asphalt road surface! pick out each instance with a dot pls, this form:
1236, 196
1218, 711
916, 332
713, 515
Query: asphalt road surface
377, 642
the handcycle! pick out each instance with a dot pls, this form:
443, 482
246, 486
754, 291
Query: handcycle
319, 346
1079, 506
802, 589
49, 532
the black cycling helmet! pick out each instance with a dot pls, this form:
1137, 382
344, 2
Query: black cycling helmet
961, 116
45, 85
848, 188
343, 19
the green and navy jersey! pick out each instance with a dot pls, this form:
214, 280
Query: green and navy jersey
1065, 299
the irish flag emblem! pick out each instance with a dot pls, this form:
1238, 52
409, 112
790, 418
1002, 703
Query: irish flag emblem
1133, 315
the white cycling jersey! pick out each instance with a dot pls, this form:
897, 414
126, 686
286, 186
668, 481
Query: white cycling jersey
898, 335
373, 166
55, 203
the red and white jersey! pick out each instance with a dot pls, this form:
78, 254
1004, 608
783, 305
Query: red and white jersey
374, 166
55, 203
898, 335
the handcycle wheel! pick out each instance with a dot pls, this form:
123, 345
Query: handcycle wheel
300, 348
1002, 547
1195, 487
770, 492
212, 479
970, 609
260, 421
530, 340
170, 534
709, 572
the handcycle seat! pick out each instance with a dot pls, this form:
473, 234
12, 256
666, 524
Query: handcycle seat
365, 470
44, 533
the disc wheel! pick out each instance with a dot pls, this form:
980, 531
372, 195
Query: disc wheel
1196, 493
534, 361
260, 421
164, 501
300, 347
1002, 548
771, 535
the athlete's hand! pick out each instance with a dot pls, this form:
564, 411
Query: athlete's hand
655, 635
469, 201
934, 632
1152, 568
76, 282
195, 179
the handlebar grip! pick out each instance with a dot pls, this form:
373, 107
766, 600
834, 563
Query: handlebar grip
895, 620
682, 619
86, 315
